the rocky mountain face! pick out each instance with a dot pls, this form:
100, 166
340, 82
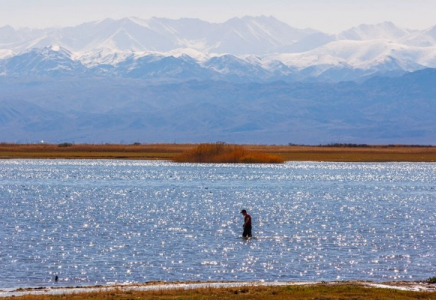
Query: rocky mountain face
378, 111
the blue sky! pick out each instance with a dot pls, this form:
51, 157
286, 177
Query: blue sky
331, 16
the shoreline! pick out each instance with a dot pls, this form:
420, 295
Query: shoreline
410, 286
335, 153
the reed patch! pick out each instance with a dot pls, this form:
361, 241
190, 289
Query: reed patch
224, 153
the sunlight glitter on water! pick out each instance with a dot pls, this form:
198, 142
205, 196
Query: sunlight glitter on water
97, 221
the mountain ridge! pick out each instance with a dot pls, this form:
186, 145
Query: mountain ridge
334, 62
176, 32
163, 80
378, 111
276, 50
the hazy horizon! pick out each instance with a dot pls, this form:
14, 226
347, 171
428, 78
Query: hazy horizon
330, 17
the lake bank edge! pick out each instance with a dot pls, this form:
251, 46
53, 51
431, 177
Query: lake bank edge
406, 286
166, 152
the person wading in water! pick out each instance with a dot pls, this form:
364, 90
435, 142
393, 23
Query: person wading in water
247, 224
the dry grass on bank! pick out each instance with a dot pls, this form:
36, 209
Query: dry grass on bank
319, 291
359, 154
169, 151
223, 153
93, 151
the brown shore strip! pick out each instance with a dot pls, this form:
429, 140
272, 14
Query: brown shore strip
291, 290
168, 151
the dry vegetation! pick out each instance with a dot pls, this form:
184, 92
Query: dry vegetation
223, 153
169, 151
355, 154
319, 291
93, 151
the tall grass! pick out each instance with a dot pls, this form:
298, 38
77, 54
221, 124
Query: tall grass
223, 153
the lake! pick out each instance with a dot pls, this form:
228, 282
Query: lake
107, 221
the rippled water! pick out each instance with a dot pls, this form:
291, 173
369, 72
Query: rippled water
99, 222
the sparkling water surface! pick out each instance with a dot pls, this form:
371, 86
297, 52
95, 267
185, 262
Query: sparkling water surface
106, 221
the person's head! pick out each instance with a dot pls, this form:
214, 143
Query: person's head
244, 212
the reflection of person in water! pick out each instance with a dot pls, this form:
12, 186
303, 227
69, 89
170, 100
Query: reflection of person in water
247, 224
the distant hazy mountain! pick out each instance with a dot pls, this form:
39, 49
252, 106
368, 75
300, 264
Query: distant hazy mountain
426, 38
257, 49
247, 35
251, 79
383, 31
49, 61
382, 111
250, 35
254, 35
333, 62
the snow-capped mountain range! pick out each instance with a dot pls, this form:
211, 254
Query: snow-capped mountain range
241, 49
248, 80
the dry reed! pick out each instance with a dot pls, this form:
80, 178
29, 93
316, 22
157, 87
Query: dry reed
223, 153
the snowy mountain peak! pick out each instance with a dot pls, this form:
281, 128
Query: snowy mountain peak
6, 53
7, 32
246, 48
386, 31
258, 35
425, 38
53, 50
